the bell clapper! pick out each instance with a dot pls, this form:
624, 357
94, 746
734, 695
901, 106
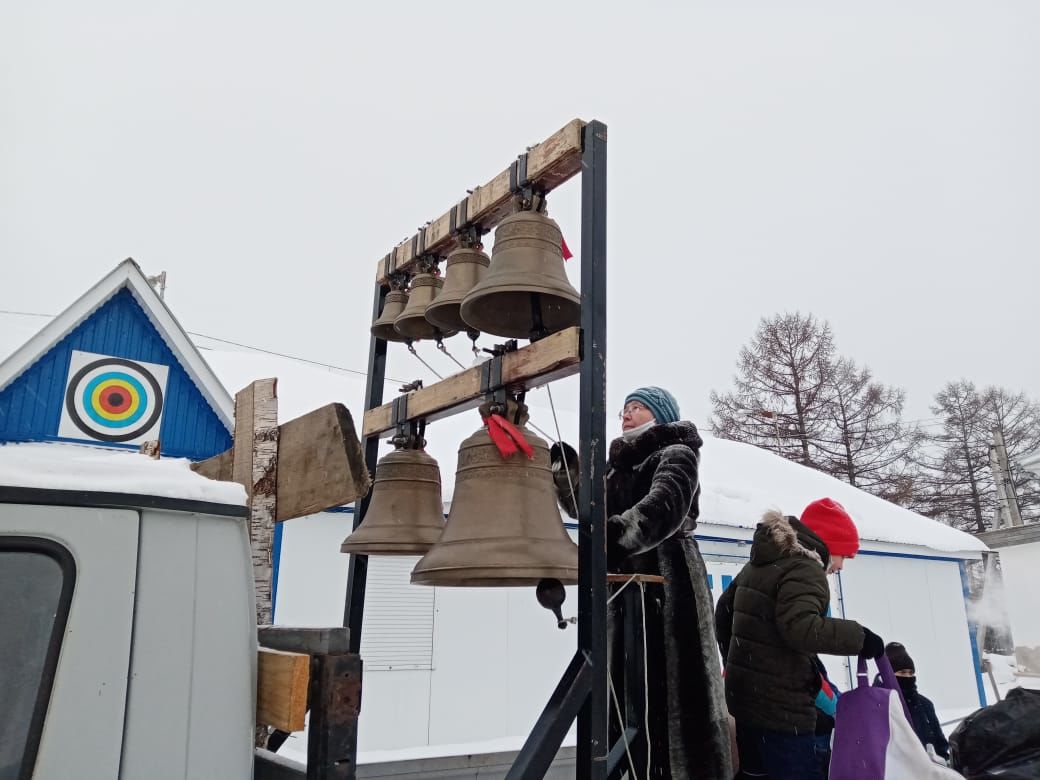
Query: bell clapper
551, 595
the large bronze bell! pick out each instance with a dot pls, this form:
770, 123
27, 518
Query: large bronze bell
503, 528
525, 294
412, 323
465, 268
406, 514
393, 305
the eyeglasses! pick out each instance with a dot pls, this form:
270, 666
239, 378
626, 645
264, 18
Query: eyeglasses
631, 408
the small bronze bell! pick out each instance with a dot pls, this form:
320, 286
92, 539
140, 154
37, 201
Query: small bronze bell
411, 323
525, 294
504, 528
465, 268
406, 514
393, 305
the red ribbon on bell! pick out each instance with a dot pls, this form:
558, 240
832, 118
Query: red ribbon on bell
507, 437
567, 254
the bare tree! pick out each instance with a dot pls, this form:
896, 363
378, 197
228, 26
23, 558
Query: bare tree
865, 441
957, 472
780, 387
1018, 420
957, 478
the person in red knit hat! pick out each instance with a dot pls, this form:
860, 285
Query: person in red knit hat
771, 623
828, 520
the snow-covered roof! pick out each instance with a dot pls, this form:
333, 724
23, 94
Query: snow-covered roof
739, 482
55, 466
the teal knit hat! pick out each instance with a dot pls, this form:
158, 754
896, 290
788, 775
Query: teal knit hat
660, 402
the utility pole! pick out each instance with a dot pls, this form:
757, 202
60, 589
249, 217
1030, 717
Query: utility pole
1007, 497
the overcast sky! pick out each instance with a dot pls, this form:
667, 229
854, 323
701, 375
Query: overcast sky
878, 166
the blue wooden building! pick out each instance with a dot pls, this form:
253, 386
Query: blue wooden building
115, 369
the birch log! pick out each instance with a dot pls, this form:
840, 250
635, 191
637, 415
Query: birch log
256, 467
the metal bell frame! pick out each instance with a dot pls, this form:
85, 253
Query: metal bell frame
582, 691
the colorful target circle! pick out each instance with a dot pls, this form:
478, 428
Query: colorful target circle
113, 399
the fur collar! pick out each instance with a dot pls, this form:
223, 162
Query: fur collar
785, 532
626, 454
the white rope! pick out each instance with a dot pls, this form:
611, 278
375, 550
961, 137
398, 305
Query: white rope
411, 348
621, 721
563, 452
646, 679
625, 585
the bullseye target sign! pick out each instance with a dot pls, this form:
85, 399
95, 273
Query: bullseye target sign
112, 399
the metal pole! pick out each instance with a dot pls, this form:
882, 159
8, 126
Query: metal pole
593, 739
1010, 493
357, 572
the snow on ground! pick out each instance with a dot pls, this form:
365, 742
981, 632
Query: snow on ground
55, 466
1006, 676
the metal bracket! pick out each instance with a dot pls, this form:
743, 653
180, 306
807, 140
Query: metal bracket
491, 372
518, 180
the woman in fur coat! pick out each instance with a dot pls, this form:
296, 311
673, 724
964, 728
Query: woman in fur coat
652, 495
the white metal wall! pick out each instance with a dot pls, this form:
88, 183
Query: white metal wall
496, 654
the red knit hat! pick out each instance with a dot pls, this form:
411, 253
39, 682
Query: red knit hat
828, 520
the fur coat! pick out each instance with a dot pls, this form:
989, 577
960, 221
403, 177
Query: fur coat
652, 495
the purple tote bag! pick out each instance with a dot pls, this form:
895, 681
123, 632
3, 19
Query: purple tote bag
873, 738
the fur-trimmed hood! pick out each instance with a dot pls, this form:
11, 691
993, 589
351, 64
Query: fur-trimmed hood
626, 454
778, 536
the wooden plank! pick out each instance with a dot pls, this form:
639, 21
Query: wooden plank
554, 357
281, 689
320, 463
549, 164
219, 467
438, 230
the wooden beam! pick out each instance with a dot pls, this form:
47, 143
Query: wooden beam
281, 689
551, 358
320, 464
549, 164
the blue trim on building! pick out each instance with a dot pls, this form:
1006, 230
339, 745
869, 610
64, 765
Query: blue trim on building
31, 406
276, 556
975, 657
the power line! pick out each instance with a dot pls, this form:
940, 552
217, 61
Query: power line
233, 343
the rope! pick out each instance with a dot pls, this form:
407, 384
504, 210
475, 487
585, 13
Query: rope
627, 583
411, 348
444, 349
646, 678
621, 720
563, 453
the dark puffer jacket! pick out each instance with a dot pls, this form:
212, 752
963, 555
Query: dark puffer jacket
652, 491
771, 621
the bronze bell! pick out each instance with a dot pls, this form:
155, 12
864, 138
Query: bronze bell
504, 528
393, 305
406, 514
465, 268
411, 323
525, 294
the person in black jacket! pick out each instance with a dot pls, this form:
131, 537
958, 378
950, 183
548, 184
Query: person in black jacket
922, 711
771, 623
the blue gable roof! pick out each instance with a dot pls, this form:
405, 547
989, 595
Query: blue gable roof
31, 406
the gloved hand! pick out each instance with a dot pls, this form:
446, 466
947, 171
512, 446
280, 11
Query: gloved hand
873, 645
565, 477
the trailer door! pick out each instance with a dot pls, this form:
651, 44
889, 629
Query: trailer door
67, 577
